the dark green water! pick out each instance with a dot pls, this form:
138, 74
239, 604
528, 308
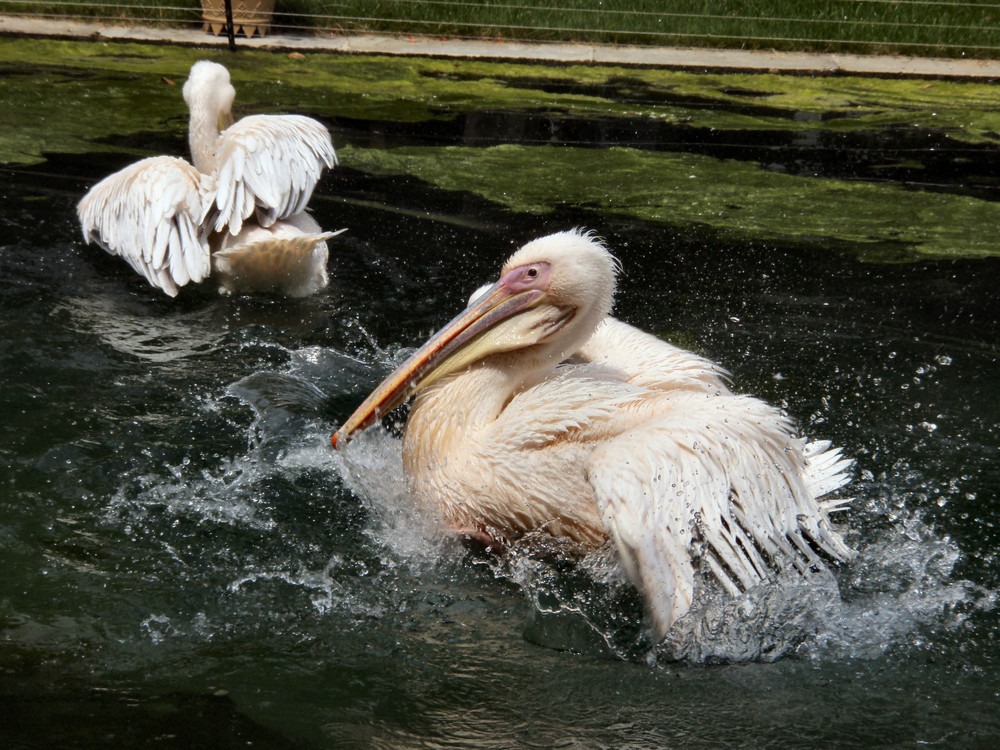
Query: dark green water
185, 563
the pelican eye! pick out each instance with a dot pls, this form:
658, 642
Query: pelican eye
523, 278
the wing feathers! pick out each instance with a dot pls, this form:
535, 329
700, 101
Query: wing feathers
720, 479
149, 214
158, 214
651, 362
269, 164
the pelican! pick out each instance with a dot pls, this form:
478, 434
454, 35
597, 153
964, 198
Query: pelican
237, 213
536, 411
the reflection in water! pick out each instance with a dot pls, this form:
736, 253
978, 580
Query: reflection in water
130, 330
136, 329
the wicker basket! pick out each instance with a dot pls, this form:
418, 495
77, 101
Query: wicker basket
249, 16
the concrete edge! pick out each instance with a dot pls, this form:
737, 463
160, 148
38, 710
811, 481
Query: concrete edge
665, 57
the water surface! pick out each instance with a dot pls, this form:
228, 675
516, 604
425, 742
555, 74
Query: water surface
186, 563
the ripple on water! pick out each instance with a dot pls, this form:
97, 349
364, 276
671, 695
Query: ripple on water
126, 326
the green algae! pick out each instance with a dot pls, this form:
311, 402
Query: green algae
733, 199
91, 97
378, 87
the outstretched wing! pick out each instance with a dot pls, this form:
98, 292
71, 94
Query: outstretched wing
717, 481
269, 164
150, 214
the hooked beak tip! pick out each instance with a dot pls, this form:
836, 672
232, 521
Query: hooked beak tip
333, 440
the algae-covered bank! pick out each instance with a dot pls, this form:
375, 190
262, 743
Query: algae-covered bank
889, 169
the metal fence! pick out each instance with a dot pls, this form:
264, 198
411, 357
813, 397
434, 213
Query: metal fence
925, 27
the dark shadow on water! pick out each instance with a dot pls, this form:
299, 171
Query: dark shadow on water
922, 158
130, 719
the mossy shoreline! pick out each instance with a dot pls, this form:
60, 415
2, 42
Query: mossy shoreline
73, 97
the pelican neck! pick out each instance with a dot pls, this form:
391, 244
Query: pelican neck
464, 404
203, 136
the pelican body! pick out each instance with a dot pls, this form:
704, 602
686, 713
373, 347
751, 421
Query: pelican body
238, 214
535, 410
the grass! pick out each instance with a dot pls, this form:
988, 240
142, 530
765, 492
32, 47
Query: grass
952, 28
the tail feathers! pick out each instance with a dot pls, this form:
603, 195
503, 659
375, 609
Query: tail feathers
292, 246
826, 469
292, 264
835, 504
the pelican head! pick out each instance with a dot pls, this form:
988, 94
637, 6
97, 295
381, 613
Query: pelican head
549, 298
209, 95
209, 87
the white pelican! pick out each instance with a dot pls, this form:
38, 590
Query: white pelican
238, 213
537, 411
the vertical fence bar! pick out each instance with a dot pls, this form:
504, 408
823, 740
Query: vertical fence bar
230, 31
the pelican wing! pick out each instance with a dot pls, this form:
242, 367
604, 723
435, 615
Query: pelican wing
715, 480
651, 362
269, 164
149, 214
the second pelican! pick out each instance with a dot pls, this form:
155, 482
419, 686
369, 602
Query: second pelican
537, 411
239, 214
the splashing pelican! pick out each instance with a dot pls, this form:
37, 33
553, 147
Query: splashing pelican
536, 410
238, 213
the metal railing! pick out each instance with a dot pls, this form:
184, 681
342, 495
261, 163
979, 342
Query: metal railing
931, 27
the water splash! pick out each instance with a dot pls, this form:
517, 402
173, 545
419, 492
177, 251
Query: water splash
372, 468
229, 495
283, 439
327, 592
900, 591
